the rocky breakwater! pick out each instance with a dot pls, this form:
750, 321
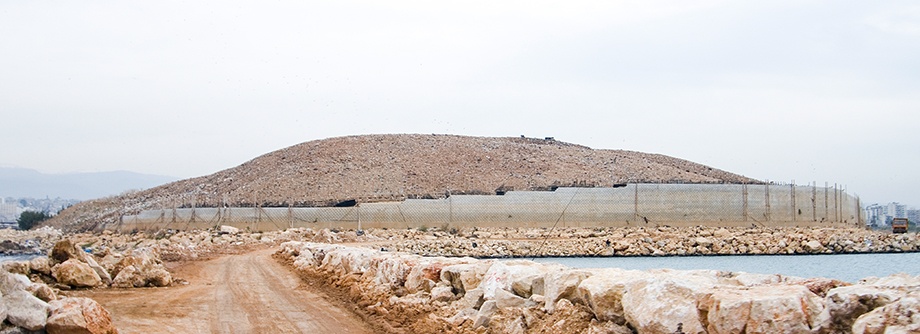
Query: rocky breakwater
409, 293
16, 242
643, 241
173, 245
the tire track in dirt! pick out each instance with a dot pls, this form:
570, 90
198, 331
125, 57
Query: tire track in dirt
244, 293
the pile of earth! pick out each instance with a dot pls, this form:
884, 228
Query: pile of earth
394, 167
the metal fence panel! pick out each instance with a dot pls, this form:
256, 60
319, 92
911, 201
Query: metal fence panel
630, 205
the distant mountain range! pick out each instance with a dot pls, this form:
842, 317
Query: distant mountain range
21, 182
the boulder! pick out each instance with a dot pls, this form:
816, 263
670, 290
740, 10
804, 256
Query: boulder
820, 285
442, 293
424, 274
485, 314
517, 276
603, 292
129, 277
702, 242
763, 309
76, 274
65, 250
103, 274
17, 267
392, 271
26, 311
130, 261
662, 303
813, 246
13, 282
845, 304
748, 279
42, 291
506, 299
41, 265
158, 276
464, 277
229, 229
562, 284
350, 260
79, 316
893, 281
900, 316
110, 262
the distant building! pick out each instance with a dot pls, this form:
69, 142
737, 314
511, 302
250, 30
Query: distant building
913, 216
883, 214
897, 210
9, 212
875, 214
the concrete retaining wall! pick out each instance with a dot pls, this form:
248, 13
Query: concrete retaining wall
632, 205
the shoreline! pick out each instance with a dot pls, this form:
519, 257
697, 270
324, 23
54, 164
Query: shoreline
674, 255
500, 243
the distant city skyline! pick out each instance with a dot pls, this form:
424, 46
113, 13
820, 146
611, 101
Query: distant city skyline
806, 90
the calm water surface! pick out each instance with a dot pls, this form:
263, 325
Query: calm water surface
4, 258
845, 267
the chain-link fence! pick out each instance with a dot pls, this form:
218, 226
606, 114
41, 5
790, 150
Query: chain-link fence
628, 205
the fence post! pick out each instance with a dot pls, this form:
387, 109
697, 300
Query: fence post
836, 205
826, 215
744, 203
767, 201
858, 213
191, 219
636, 203
814, 200
792, 197
173, 221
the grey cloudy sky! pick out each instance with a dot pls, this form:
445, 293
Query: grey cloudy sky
780, 90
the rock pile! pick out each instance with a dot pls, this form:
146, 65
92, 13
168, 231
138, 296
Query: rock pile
68, 267
518, 242
465, 295
32, 306
639, 241
389, 167
15, 242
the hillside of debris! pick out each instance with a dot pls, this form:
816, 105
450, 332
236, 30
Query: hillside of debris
372, 168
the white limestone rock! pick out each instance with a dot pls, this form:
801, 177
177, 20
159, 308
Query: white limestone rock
763, 309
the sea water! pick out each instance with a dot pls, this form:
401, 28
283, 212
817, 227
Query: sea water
844, 267
5, 258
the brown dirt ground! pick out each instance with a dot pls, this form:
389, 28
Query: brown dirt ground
232, 293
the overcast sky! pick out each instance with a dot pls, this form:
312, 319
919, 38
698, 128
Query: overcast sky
825, 91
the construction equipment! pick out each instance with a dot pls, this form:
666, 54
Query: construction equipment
899, 225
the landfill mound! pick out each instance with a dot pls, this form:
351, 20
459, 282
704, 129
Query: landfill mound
370, 168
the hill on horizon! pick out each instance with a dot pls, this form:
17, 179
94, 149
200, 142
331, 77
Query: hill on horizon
23, 182
394, 167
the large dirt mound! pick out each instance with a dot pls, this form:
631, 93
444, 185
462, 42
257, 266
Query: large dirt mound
394, 167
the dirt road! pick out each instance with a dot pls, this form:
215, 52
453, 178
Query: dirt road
245, 293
